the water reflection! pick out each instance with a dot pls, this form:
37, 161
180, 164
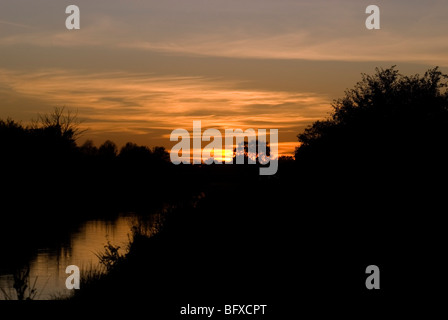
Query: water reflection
49, 264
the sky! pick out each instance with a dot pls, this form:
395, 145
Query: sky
136, 70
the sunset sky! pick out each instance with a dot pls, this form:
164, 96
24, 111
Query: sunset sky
136, 70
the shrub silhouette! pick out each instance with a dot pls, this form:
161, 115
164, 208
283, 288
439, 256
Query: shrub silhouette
386, 120
88, 148
108, 150
48, 169
376, 166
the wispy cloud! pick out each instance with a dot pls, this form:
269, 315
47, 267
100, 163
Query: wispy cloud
411, 31
133, 35
150, 107
378, 47
14, 24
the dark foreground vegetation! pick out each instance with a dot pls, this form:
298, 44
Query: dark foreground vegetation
367, 186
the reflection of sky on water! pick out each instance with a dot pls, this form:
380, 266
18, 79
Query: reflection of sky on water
49, 264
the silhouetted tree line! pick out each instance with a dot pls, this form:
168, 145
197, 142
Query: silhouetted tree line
386, 117
368, 186
374, 172
45, 170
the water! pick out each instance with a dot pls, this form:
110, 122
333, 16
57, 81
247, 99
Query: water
47, 267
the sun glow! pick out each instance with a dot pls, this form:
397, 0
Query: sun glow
145, 108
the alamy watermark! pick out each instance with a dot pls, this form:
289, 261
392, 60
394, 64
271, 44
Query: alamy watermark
373, 20
73, 280
255, 150
72, 22
373, 280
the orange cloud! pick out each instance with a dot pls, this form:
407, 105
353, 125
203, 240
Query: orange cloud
147, 108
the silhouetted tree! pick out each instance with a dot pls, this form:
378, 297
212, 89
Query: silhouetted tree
9, 125
61, 122
379, 161
108, 150
11, 135
374, 172
386, 117
88, 148
132, 152
161, 154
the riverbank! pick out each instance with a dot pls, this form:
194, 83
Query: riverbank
218, 245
